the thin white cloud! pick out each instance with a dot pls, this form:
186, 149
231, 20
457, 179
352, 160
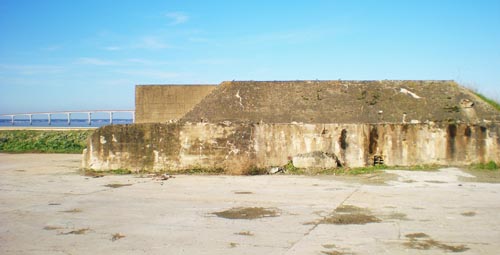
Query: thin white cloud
215, 61
177, 18
146, 75
112, 48
30, 69
52, 48
141, 61
96, 62
152, 43
295, 36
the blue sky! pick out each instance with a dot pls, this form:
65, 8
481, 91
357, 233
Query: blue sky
75, 55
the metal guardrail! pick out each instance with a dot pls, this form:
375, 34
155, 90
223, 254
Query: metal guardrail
68, 114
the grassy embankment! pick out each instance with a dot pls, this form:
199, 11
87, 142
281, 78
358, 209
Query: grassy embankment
495, 104
43, 141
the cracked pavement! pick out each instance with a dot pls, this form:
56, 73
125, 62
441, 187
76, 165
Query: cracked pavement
47, 207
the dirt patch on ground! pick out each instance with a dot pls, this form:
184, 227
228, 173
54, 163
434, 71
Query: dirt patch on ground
485, 176
469, 214
396, 216
335, 253
248, 213
377, 178
422, 241
350, 209
75, 210
51, 228
349, 214
329, 246
117, 236
417, 235
437, 182
344, 219
116, 185
81, 231
244, 233
243, 192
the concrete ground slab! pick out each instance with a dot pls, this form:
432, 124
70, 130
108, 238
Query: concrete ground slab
48, 207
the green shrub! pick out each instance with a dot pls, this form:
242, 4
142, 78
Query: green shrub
491, 165
291, 169
18, 141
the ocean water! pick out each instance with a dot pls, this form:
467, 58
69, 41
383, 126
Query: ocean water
62, 122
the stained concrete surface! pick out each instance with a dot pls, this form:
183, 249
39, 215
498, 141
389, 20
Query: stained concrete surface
47, 207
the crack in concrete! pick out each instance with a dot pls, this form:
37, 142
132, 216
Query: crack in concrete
316, 224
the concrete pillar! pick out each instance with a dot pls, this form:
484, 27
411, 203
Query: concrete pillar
110, 117
69, 118
90, 118
49, 118
12, 120
31, 119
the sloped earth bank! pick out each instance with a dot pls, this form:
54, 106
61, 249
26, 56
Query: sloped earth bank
48, 207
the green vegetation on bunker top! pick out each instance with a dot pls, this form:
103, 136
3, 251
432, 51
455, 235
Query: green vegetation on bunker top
491, 102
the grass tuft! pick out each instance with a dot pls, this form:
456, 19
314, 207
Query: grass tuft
491, 166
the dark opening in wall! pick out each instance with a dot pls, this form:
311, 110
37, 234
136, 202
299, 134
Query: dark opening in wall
378, 160
452, 133
373, 140
343, 139
468, 131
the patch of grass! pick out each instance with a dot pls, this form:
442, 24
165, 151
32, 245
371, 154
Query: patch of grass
352, 171
255, 171
291, 169
120, 171
491, 165
43, 141
416, 167
93, 173
202, 170
491, 102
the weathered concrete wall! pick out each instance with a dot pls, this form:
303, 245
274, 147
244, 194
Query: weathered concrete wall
160, 103
239, 147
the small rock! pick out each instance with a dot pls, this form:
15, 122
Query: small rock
276, 170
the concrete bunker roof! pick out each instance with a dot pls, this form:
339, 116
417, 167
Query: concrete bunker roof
339, 101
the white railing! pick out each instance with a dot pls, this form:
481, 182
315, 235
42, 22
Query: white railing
68, 115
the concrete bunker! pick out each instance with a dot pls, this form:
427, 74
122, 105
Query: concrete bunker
242, 125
